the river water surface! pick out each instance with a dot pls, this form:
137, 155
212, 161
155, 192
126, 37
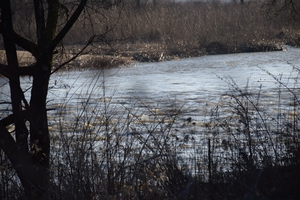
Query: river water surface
194, 82
194, 85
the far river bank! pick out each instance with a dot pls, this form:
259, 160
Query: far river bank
107, 56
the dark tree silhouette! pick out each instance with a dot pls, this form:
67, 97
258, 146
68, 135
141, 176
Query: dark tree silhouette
29, 148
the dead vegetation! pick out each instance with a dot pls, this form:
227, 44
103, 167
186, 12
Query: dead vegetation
168, 31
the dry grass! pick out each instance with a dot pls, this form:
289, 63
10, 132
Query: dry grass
186, 30
167, 31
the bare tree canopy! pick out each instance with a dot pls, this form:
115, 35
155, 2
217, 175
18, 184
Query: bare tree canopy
289, 9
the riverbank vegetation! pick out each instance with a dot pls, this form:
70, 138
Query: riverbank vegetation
167, 30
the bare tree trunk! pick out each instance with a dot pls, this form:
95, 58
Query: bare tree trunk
31, 166
29, 150
31, 160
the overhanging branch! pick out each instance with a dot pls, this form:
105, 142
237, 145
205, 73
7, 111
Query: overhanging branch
6, 71
68, 25
7, 120
22, 42
26, 44
74, 57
